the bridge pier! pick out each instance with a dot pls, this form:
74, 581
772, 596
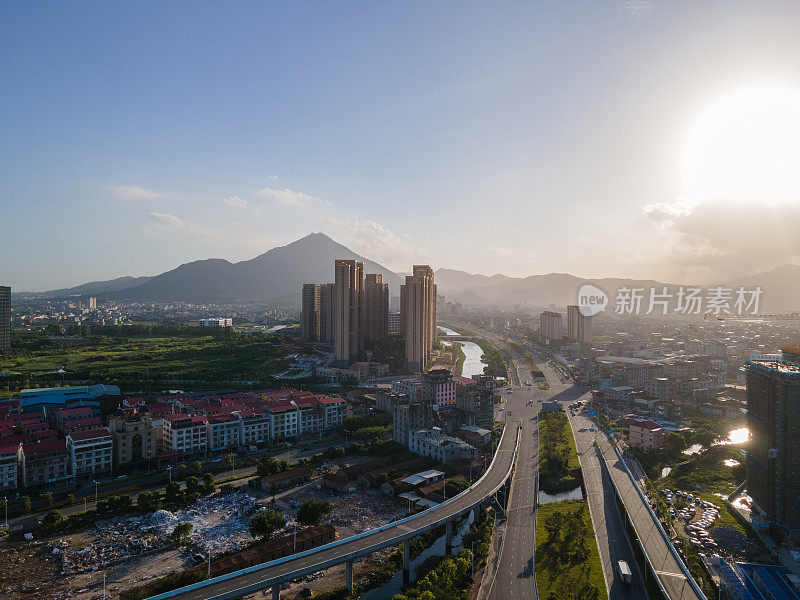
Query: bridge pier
406, 562
276, 592
448, 537
349, 576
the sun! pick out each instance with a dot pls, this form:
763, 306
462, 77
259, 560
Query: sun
745, 146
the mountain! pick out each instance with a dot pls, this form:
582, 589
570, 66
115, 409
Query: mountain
780, 286
451, 279
93, 288
276, 276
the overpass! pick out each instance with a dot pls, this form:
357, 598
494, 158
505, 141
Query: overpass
662, 560
274, 573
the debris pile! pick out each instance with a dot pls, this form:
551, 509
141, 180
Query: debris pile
219, 523
117, 541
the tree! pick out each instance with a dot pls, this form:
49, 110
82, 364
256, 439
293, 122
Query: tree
208, 478
198, 466
267, 466
148, 501
228, 462
48, 497
312, 511
25, 504
180, 535
267, 522
192, 484
71, 499
51, 519
173, 493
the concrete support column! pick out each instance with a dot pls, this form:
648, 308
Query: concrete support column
349, 576
276, 592
448, 537
406, 562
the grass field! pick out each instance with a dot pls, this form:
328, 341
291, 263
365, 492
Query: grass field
129, 360
568, 561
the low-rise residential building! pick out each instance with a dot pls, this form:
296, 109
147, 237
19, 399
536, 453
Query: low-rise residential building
185, 435
334, 412
224, 431
284, 420
439, 389
90, 453
254, 427
646, 435
44, 463
439, 446
8, 467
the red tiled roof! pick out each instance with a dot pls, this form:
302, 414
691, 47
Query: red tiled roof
95, 422
6, 450
177, 417
44, 447
79, 436
651, 425
75, 412
464, 380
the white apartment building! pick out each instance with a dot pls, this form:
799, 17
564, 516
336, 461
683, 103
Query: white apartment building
90, 452
334, 412
224, 431
284, 420
185, 435
254, 428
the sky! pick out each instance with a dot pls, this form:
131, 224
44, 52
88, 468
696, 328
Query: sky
601, 138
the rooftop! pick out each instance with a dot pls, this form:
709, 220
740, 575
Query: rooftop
82, 436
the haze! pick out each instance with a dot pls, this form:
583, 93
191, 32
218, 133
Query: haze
632, 139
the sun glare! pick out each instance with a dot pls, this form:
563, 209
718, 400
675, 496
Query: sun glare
745, 145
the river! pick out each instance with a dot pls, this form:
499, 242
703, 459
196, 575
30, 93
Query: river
740, 435
473, 365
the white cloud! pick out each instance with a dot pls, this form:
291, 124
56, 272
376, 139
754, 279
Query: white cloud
722, 238
375, 242
132, 191
205, 232
289, 197
160, 221
273, 177
235, 201
637, 8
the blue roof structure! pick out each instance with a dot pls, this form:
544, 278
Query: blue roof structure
749, 581
38, 399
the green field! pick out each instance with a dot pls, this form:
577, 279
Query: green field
559, 469
568, 561
134, 360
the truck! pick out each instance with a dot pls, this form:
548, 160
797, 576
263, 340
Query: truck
625, 574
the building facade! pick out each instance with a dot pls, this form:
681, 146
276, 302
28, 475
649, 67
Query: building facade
326, 307
773, 415
550, 326
348, 314
418, 317
376, 310
646, 435
5, 317
579, 326
136, 437
310, 319
90, 453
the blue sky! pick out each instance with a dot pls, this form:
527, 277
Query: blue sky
493, 137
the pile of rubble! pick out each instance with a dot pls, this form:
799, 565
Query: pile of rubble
363, 511
219, 523
117, 541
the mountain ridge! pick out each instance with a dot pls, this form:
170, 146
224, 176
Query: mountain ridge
276, 276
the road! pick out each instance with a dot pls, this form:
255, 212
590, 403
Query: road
609, 526
253, 579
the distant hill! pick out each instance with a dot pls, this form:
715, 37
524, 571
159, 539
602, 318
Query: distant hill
93, 288
781, 288
278, 275
275, 276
